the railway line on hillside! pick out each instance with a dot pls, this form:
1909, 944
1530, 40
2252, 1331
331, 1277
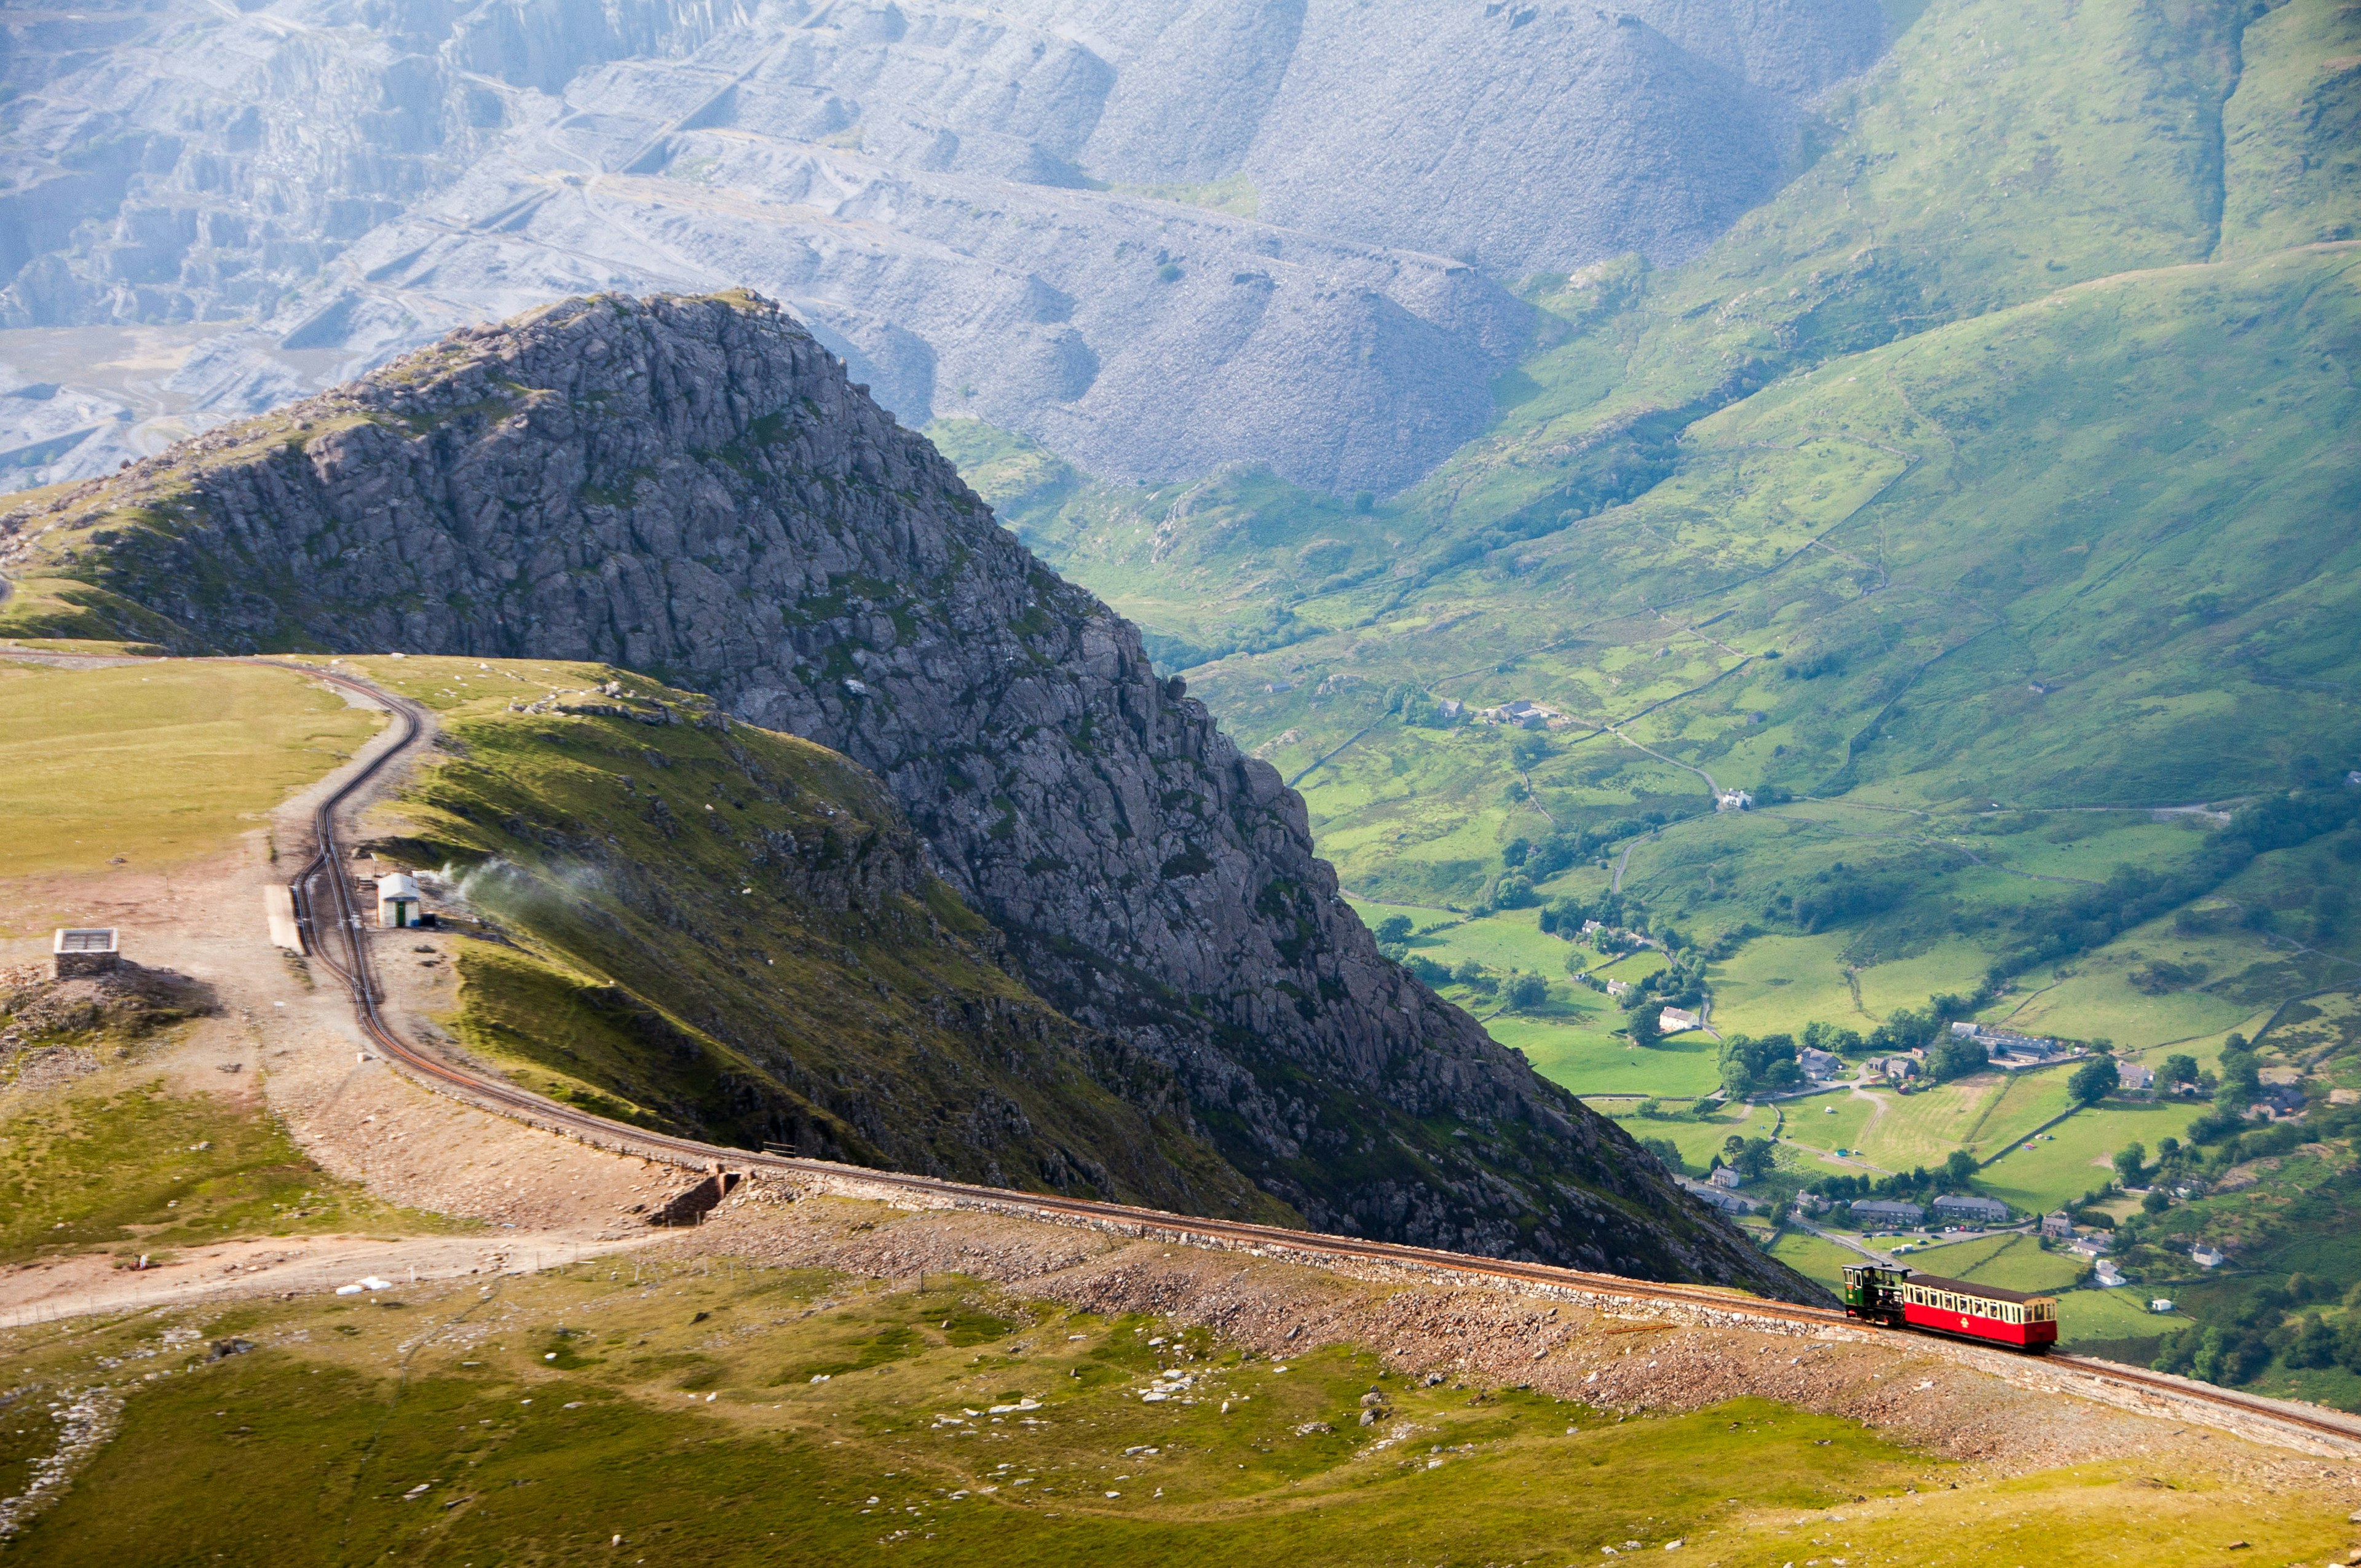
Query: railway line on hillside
331, 919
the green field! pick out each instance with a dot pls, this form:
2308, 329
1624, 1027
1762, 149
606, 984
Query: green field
2074, 1158
156, 764
1814, 1258
1591, 1062
1698, 1139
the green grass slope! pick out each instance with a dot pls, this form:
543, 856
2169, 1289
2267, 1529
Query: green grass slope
720, 930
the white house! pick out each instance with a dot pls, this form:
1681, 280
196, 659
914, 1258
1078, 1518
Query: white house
2106, 1274
2204, 1257
397, 901
2131, 1075
1732, 800
1723, 1175
2159, 1304
1679, 1020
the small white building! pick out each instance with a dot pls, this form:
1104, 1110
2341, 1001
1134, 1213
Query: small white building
2204, 1257
1723, 1175
1732, 800
1678, 1021
81, 950
2159, 1304
2106, 1275
397, 901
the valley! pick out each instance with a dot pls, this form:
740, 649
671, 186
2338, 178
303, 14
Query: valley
1980, 506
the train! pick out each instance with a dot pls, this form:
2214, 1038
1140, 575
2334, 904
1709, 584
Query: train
1902, 1298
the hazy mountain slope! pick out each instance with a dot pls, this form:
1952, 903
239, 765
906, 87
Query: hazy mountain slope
929, 185
692, 489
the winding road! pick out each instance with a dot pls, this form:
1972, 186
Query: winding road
333, 929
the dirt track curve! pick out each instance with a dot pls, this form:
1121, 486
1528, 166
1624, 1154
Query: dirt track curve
331, 919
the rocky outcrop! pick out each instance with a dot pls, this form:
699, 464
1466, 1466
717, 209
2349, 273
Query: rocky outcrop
692, 488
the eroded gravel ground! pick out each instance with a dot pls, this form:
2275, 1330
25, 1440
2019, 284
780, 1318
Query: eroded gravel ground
2010, 1414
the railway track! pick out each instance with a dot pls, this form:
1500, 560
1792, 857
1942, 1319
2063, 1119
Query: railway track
332, 923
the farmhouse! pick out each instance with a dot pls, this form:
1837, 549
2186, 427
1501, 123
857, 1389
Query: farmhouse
1679, 1020
1723, 1175
84, 950
1523, 712
1732, 800
1819, 1063
2132, 1077
1721, 1197
2057, 1223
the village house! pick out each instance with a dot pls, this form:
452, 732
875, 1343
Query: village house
1678, 1021
1721, 1197
1886, 1212
2278, 1101
1523, 713
1893, 1069
2133, 1078
1819, 1064
1732, 800
2106, 1275
1970, 1207
2204, 1257
2058, 1224
1723, 1175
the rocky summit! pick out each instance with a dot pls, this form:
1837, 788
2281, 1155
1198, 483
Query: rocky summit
692, 488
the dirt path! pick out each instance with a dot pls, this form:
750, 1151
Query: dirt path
285, 1266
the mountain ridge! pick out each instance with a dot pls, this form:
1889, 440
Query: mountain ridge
694, 489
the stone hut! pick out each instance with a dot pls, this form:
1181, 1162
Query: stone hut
85, 950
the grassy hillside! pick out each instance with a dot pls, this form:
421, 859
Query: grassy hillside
710, 1413
157, 764
712, 928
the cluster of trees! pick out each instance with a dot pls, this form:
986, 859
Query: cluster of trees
2095, 917
2236, 1089
1766, 1066
2275, 1322
1520, 993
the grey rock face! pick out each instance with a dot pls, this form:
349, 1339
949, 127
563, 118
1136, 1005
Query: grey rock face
692, 488
926, 182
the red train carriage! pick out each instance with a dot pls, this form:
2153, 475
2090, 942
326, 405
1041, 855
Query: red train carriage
1901, 1298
